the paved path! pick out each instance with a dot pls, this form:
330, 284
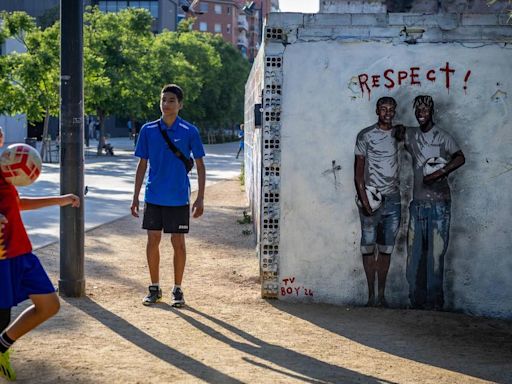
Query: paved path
110, 186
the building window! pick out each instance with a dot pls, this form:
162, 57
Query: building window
203, 7
218, 28
228, 29
203, 26
119, 5
228, 10
153, 8
218, 9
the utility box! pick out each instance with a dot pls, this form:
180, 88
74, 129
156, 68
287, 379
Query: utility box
318, 78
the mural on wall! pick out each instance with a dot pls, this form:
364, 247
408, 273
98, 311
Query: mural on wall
290, 287
378, 196
435, 154
391, 78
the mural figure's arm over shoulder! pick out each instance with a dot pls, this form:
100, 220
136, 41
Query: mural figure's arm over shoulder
458, 159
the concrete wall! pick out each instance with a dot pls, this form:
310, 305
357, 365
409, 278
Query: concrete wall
326, 102
424, 6
252, 140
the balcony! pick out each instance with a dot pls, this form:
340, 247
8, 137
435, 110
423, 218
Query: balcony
242, 23
242, 41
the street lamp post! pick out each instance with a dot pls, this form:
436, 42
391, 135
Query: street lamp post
72, 282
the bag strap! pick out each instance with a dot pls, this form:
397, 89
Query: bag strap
172, 147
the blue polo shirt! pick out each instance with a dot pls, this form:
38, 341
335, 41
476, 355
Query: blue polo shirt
167, 183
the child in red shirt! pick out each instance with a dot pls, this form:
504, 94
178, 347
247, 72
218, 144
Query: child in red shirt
22, 276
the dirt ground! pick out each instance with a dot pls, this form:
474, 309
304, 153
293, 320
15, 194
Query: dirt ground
227, 333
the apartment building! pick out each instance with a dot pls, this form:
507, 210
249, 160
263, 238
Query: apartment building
240, 22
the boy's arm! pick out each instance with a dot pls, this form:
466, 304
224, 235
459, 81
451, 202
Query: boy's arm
457, 161
139, 178
198, 206
399, 132
28, 203
360, 184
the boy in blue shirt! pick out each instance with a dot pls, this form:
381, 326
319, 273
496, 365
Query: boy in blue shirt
166, 200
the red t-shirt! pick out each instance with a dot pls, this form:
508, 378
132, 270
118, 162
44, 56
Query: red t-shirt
14, 240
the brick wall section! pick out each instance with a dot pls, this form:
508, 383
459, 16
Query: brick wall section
443, 27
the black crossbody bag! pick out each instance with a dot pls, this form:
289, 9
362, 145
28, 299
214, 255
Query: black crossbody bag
189, 163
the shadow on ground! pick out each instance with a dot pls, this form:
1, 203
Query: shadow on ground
456, 342
305, 368
141, 339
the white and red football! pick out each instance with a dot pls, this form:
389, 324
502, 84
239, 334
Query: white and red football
20, 164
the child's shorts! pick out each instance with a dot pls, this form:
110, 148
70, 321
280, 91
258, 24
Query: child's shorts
21, 277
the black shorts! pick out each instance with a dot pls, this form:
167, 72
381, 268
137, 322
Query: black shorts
170, 219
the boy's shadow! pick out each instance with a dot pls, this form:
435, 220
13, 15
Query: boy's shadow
148, 343
306, 368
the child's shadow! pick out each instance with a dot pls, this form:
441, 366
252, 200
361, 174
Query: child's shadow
306, 368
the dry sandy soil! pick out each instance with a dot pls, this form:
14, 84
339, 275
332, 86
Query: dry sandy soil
228, 334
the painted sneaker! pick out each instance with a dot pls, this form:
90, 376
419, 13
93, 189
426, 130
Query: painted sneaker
177, 298
154, 296
6, 369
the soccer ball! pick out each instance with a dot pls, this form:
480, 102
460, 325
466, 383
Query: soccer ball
20, 164
433, 164
374, 198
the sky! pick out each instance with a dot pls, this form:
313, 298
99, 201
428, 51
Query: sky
304, 6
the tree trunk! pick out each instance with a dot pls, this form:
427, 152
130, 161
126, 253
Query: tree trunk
101, 139
44, 146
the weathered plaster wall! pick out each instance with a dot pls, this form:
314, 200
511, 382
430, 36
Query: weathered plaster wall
325, 103
426, 6
252, 140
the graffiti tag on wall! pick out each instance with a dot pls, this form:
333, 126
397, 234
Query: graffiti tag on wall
416, 76
289, 288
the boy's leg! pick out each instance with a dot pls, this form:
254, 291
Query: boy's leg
415, 269
383, 261
5, 318
153, 255
369, 270
178, 245
368, 240
386, 235
180, 256
44, 306
438, 245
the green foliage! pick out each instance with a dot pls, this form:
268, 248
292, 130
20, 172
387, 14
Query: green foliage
30, 80
49, 17
242, 175
246, 219
125, 67
234, 72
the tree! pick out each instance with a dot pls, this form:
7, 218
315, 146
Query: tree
233, 74
30, 80
125, 66
203, 92
115, 45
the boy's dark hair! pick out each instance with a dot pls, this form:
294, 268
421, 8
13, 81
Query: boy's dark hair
173, 88
425, 100
386, 100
